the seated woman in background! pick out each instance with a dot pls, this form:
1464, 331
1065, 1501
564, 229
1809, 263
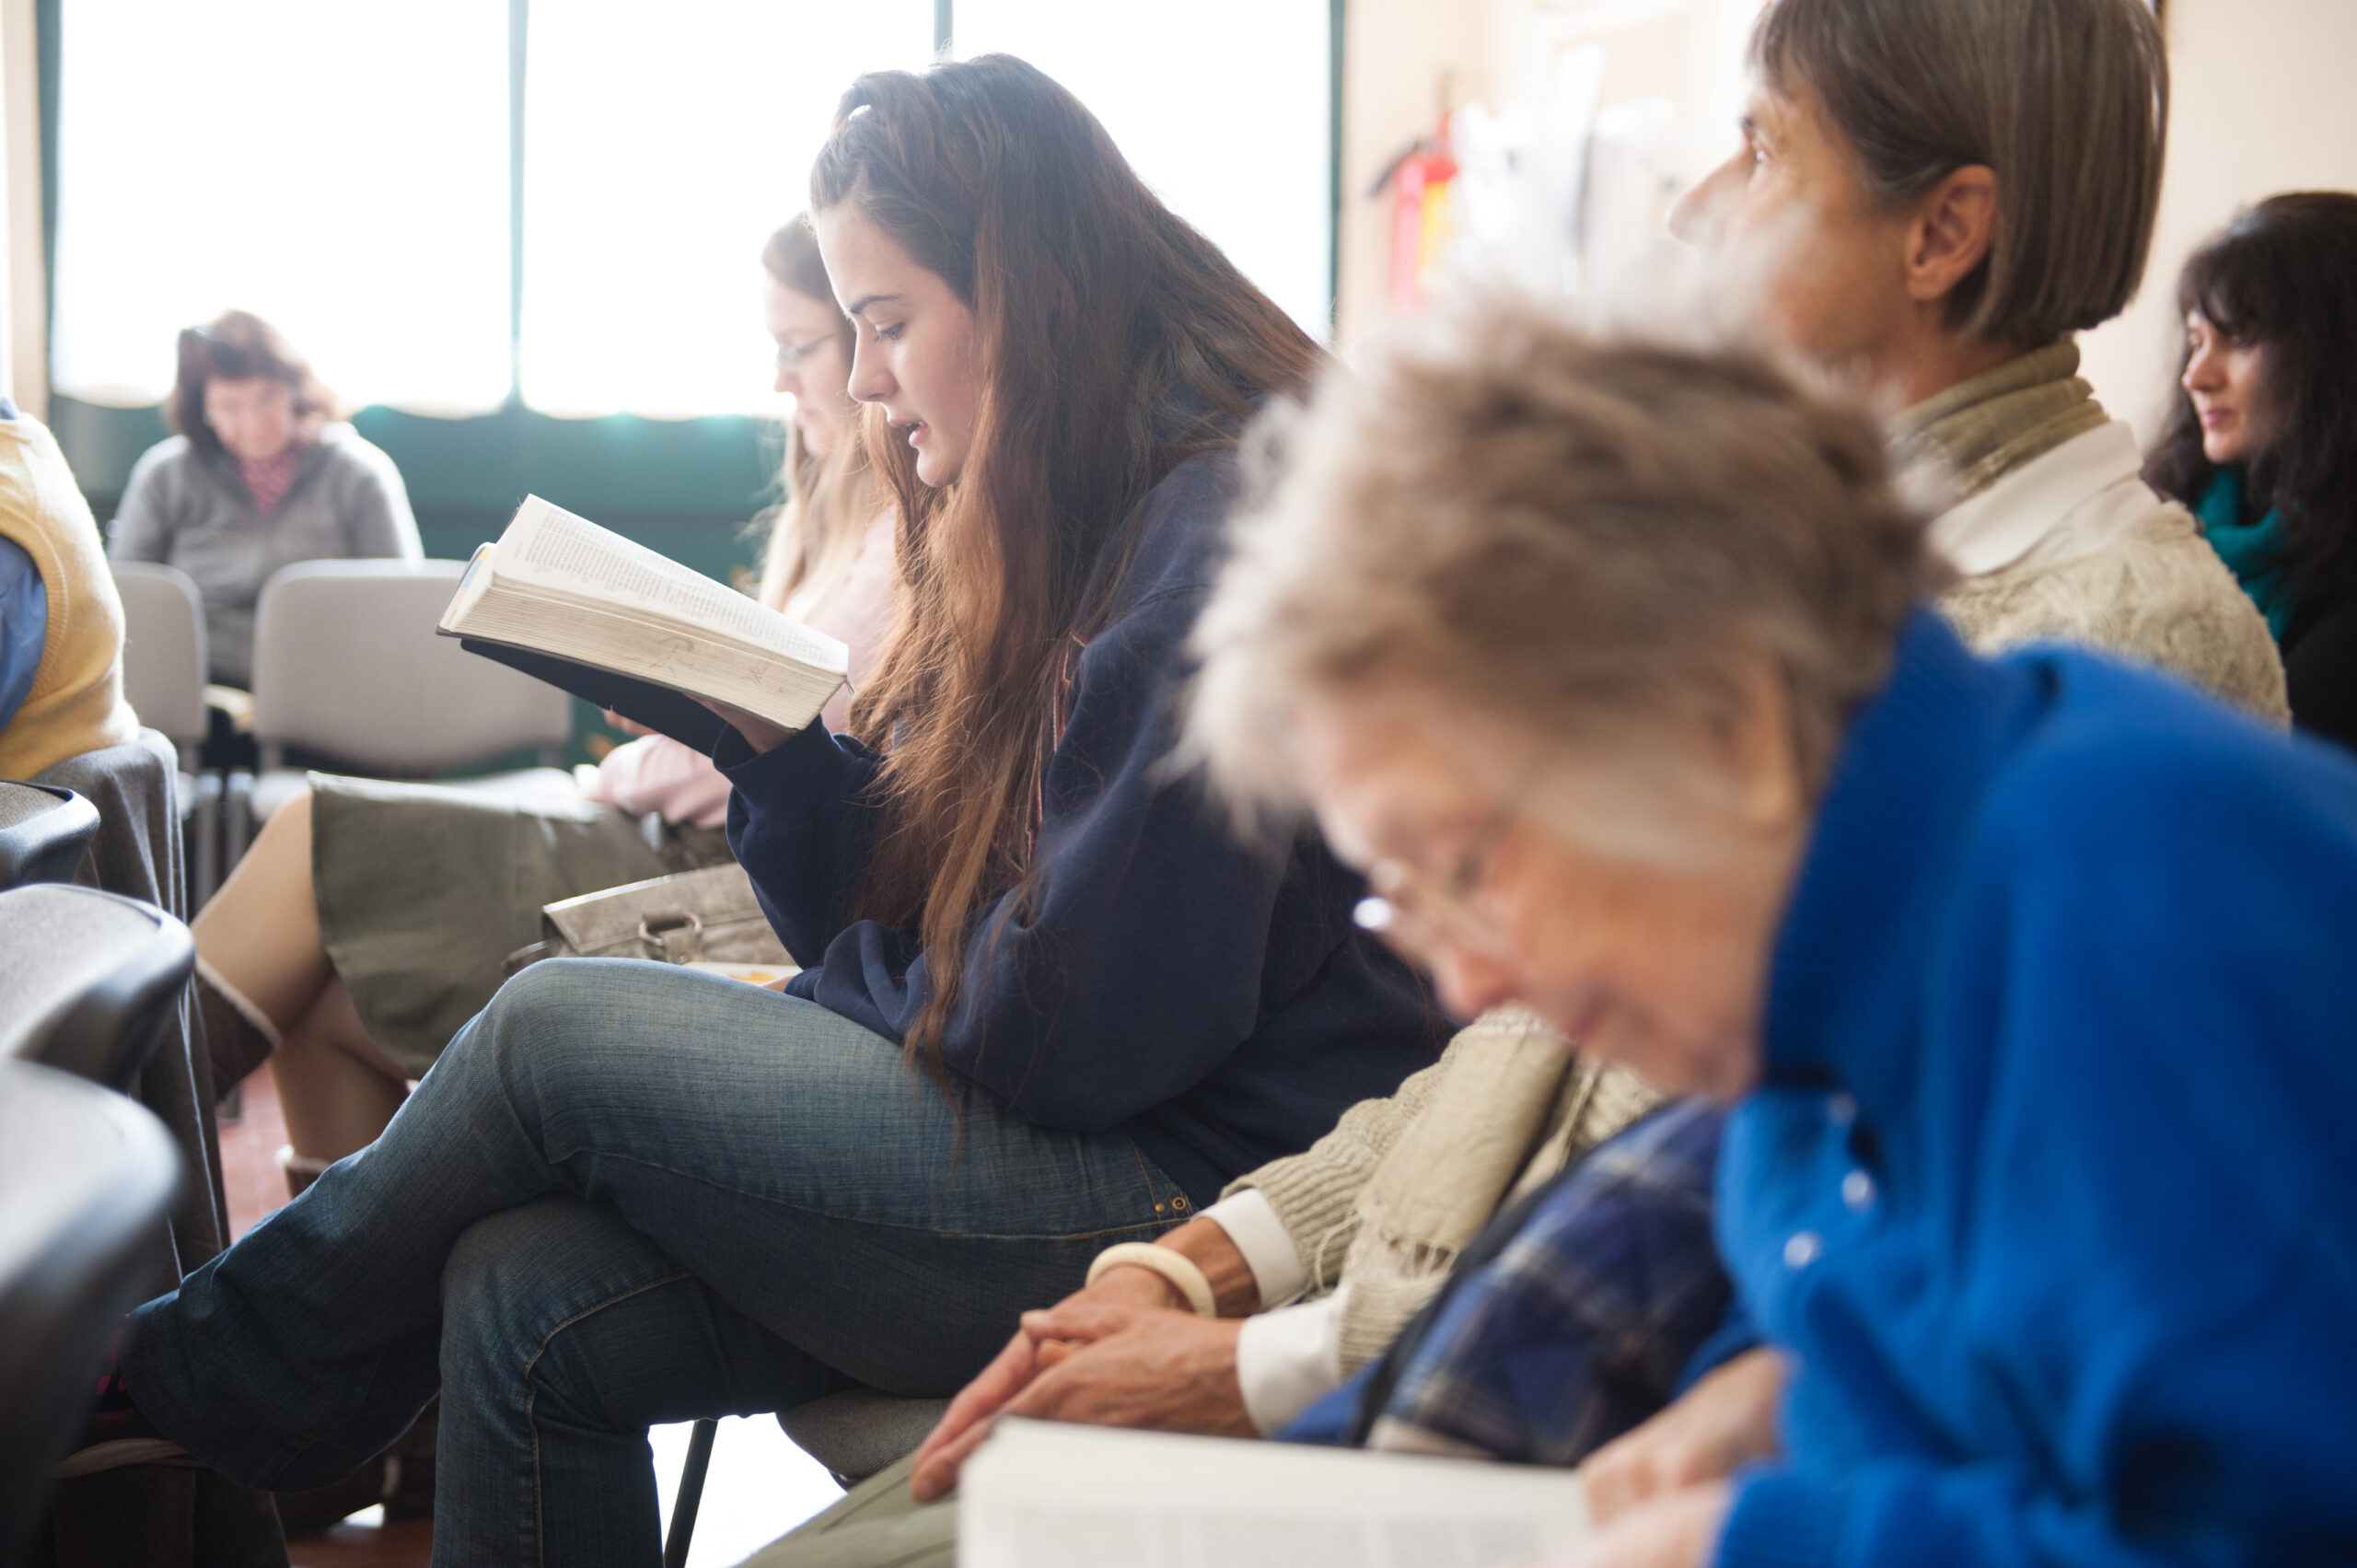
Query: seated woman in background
1899, 216
1051, 1001
1614, 665
370, 921
60, 621
2264, 444
258, 476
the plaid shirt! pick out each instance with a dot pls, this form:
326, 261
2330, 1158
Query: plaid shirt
1578, 1327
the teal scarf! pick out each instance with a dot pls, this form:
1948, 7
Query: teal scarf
2253, 551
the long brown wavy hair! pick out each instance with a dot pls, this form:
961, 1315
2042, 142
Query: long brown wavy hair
1116, 342
2285, 274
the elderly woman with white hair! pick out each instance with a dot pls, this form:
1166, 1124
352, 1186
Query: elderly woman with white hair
2026, 980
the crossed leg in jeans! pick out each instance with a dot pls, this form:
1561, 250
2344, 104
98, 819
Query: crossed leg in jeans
627, 1193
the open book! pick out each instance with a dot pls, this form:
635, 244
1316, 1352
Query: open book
1043, 1495
583, 607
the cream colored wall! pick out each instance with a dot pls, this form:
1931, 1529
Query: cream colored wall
2261, 103
1404, 58
1403, 63
23, 325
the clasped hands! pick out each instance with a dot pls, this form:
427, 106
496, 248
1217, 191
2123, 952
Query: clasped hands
1123, 1353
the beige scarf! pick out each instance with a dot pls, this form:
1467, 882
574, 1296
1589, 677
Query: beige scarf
1979, 431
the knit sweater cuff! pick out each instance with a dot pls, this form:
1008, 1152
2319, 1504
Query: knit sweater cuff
1313, 1197
1781, 1520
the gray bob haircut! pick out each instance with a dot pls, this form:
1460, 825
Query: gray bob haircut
2066, 100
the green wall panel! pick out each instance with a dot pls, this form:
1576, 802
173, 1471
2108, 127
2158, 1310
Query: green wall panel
686, 488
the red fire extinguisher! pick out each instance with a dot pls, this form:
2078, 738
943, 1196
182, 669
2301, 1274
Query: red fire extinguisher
1418, 179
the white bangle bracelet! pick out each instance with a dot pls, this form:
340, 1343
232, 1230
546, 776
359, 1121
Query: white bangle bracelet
1171, 1264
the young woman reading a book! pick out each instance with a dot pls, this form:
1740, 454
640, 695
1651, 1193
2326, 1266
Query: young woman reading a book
1051, 1002
369, 921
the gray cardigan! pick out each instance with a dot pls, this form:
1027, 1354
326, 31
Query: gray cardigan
189, 507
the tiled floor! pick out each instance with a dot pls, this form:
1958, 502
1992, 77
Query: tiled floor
250, 1157
759, 1485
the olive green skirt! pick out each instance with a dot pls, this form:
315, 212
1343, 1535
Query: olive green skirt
424, 890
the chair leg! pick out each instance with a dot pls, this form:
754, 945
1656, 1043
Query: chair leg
690, 1495
238, 794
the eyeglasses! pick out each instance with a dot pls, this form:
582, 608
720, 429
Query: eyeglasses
791, 355
1420, 918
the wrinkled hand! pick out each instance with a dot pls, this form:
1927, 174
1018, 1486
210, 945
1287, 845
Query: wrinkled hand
1012, 1370
759, 732
1102, 1361
1677, 1530
1726, 1420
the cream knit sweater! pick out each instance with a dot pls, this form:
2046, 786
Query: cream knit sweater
2156, 594
1397, 1190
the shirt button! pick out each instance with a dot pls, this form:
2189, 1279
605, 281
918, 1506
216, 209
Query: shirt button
1842, 1109
1802, 1248
1858, 1192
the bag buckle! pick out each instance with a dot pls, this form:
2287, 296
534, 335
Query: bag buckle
672, 937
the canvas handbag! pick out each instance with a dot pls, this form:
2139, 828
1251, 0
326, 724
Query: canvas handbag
694, 916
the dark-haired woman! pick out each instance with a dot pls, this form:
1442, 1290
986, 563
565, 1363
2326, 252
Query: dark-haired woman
2264, 446
258, 476
1051, 1002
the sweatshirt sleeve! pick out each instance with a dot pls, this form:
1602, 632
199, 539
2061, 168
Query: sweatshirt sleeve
1135, 963
799, 824
2156, 1262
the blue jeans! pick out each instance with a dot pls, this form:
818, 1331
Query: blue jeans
627, 1193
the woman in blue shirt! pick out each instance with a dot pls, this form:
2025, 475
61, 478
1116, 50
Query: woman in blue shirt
1049, 1000
2029, 981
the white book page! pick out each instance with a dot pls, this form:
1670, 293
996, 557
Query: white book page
549, 546
1043, 1495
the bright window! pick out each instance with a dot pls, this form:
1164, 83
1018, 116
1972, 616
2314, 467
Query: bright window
342, 170
338, 169
661, 148
1222, 106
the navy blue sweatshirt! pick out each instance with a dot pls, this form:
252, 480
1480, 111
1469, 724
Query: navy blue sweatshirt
1211, 999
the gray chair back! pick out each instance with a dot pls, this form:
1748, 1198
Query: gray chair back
164, 664
163, 651
346, 662
860, 1431
44, 832
89, 982
86, 1177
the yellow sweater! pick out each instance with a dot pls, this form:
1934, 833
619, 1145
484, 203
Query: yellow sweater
75, 703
